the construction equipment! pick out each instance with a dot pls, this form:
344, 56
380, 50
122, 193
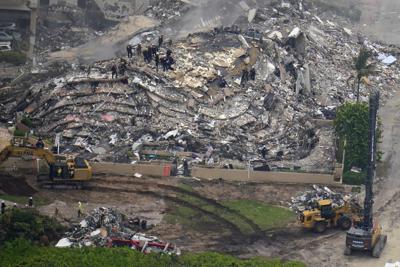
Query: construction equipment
63, 170
324, 215
367, 235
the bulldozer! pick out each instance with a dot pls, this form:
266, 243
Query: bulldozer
367, 235
63, 170
324, 215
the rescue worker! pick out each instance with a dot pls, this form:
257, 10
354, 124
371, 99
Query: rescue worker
245, 76
169, 61
30, 202
89, 69
174, 169
129, 51
222, 82
147, 55
160, 40
114, 71
80, 209
40, 143
139, 49
253, 74
263, 152
157, 60
122, 67
3, 207
164, 63
186, 170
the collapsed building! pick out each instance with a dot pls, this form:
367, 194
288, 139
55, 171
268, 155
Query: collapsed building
302, 64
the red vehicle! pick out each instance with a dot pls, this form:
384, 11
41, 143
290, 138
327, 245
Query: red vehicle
144, 246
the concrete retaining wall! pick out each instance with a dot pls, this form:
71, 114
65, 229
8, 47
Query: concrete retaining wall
207, 173
163, 170
263, 177
128, 169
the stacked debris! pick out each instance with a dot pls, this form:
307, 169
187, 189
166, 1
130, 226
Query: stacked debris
105, 227
235, 88
309, 199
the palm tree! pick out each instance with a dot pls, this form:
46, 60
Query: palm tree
363, 68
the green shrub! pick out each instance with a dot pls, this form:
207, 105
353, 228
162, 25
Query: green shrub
18, 132
13, 57
27, 224
22, 253
27, 121
353, 178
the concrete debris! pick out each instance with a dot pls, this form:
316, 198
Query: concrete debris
308, 199
387, 60
236, 86
393, 264
64, 243
105, 227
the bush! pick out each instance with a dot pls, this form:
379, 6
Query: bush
27, 121
23, 253
354, 178
28, 224
18, 132
13, 57
351, 124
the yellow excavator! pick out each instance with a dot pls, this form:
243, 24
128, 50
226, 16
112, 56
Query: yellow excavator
324, 216
64, 171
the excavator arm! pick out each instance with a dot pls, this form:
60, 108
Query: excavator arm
19, 152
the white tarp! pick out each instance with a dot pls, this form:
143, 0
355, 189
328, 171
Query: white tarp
64, 243
395, 264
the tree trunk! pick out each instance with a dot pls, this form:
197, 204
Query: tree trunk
358, 89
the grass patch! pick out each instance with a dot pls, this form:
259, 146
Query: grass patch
186, 187
264, 215
37, 201
235, 211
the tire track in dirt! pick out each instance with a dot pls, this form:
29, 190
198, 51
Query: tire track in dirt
255, 228
234, 229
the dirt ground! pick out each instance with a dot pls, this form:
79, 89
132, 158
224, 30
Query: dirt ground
151, 199
329, 252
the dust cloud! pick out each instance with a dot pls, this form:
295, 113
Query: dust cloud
381, 19
208, 14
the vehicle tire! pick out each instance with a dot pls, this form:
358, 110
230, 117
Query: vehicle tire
380, 245
320, 227
344, 223
347, 251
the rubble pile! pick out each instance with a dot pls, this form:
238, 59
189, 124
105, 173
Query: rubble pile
63, 26
105, 227
166, 10
309, 199
303, 67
